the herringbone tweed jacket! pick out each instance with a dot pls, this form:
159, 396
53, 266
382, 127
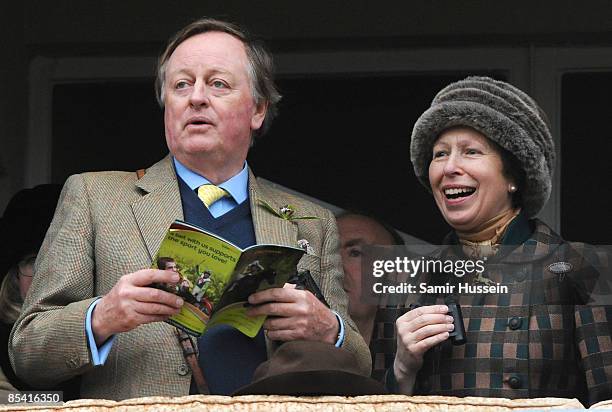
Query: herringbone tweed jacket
108, 224
544, 338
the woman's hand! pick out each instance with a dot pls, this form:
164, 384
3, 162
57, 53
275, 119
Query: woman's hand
418, 331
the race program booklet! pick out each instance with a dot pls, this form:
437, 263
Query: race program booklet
216, 277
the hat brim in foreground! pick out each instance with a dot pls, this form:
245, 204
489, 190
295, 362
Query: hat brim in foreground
314, 383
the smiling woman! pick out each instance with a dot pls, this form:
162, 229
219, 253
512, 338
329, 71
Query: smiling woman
467, 179
485, 152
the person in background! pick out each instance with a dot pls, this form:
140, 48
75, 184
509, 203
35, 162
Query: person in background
12, 292
357, 231
23, 226
485, 151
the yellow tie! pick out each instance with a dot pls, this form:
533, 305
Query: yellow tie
209, 194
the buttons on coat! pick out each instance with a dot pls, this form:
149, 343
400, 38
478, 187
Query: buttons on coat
183, 369
520, 274
515, 382
515, 323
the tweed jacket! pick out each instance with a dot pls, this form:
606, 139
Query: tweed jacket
544, 338
108, 224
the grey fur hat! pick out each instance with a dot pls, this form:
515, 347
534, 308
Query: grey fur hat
503, 114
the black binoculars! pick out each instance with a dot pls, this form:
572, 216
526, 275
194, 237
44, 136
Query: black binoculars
457, 336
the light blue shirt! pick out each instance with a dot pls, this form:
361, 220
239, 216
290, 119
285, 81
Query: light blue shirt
238, 188
98, 354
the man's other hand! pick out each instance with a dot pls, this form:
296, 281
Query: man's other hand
132, 302
294, 314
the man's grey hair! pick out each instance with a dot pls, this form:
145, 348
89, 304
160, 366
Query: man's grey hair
260, 68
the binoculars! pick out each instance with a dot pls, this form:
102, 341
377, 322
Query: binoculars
457, 336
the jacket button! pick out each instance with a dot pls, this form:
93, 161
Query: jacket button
514, 382
183, 369
520, 275
515, 323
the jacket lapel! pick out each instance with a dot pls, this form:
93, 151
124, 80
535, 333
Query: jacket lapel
269, 228
160, 204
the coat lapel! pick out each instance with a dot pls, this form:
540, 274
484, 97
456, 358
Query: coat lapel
269, 228
160, 205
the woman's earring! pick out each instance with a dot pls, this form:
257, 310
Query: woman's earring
512, 188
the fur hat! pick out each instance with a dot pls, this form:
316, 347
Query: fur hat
503, 114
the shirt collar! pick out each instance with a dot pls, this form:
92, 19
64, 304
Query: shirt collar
236, 186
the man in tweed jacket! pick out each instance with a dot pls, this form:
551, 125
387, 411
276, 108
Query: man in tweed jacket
217, 91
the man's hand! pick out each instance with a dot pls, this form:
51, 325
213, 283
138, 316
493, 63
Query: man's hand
294, 314
132, 302
418, 331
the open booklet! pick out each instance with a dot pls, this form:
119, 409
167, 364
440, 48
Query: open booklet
216, 277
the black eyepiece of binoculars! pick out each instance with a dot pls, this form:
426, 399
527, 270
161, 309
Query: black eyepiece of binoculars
457, 336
